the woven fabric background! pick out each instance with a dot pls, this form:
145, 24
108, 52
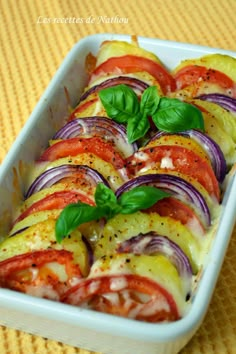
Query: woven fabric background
30, 54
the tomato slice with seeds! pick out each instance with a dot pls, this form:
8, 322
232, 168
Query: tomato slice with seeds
191, 74
75, 146
56, 200
31, 270
140, 298
131, 64
175, 158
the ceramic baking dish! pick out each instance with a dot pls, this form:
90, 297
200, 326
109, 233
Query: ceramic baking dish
82, 327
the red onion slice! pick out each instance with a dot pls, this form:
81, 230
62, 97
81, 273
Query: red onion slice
137, 85
98, 126
152, 243
224, 101
177, 187
55, 174
211, 148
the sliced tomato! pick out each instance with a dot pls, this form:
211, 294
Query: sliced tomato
179, 159
139, 298
32, 270
179, 211
179, 140
191, 74
56, 200
131, 64
75, 146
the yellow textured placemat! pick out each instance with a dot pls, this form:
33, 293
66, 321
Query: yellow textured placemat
31, 52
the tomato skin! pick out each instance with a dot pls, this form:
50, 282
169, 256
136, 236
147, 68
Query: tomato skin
10, 276
36, 258
191, 74
131, 64
175, 209
92, 291
75, 146
183, 160
57, 200
179, 140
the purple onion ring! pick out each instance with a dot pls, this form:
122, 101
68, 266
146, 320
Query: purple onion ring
132, 82
177, 186
98, 126
55, 174
152, 243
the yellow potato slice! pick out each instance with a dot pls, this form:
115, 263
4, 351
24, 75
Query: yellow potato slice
123, 227
35, 218
157, 268
87, 109
220, 62
41, 236
115, 178
197, 89
215, 130
109, 49
225, 119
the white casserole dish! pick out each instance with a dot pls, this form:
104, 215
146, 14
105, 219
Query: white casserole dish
81, 327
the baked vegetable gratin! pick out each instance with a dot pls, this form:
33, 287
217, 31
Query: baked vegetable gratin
121, 208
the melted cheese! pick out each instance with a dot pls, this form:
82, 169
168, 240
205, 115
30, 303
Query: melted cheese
157, 268
167, 162
119, 283
45, 291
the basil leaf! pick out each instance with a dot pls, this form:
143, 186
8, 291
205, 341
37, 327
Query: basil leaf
73, 215
149, 101
104, 195
174, 115
106, 199
138, 198
120, 102
137, 127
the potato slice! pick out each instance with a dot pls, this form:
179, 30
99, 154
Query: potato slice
216, 131
109, 49
115, 178
221, 62
225, 119
157, 268
123, 227
41, 236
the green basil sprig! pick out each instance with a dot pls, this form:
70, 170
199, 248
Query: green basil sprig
107, 206
168, 114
